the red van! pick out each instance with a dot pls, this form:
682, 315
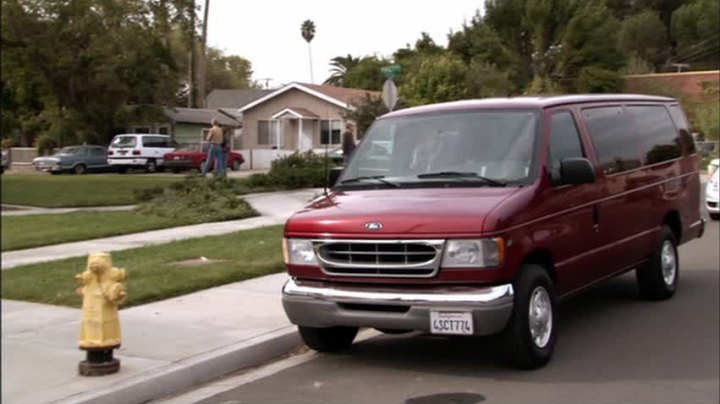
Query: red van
479, 216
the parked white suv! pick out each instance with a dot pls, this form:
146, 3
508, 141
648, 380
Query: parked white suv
132, 150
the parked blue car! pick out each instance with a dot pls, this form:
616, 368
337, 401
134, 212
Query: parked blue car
74, 159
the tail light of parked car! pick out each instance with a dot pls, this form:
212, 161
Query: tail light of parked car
136, 152
110, 152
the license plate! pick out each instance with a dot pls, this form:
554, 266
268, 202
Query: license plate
451, 322
176, 158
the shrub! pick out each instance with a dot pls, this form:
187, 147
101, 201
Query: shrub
198, 200
298, 170
45, 143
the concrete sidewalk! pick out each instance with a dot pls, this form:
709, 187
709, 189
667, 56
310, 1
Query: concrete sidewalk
167, 346
274, 207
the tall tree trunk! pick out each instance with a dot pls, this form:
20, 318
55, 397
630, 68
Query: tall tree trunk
202, 68
312, 80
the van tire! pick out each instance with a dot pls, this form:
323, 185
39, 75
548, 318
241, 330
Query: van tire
715, 216
533, 286
328, 339
79, 169
151, 166
235, 165
658, 277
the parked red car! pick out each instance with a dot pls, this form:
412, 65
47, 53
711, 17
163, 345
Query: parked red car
193, 156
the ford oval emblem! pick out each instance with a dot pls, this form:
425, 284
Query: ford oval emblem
373, 225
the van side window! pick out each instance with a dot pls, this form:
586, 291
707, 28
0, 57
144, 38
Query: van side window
564, 141
657, 137
615, 145
681, 123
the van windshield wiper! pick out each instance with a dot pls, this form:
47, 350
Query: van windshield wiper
462, 174
379, 178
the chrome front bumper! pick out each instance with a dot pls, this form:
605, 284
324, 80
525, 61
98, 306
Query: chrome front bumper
318, 306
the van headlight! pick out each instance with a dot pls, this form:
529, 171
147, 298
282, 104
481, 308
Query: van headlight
299, 251
465, 253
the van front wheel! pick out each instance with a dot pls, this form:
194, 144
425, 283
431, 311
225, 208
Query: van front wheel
657, 279
328, 339
531, 332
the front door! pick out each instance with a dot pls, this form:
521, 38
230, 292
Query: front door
306, 134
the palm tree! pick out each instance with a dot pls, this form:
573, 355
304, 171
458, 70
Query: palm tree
307, 30
341, 67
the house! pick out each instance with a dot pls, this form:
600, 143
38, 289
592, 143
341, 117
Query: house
190, 125
231, 98
298, 116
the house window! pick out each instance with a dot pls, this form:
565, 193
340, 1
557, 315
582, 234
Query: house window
163, 130
141, 129
330, 131
204, 134
267, 134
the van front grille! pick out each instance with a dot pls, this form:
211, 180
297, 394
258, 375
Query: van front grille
397, 258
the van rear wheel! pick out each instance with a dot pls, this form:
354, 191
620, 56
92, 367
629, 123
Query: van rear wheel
657, 279
531, 332
328, 339
151, 166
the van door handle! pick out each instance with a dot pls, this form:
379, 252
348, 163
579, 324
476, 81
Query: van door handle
596, 218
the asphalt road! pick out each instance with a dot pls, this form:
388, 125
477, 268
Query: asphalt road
612, 348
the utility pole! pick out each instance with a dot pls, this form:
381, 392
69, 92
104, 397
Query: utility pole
202, 68
191, 57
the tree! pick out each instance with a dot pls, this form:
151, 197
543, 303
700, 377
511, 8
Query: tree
341, 67
367, 74
485, 80
645, 36
365, 113
435, 79
233, 72
696, 30
307, 30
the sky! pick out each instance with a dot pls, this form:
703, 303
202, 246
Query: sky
267, 32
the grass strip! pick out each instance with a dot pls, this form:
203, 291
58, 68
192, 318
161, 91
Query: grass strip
60, 191
30, 231
152, 276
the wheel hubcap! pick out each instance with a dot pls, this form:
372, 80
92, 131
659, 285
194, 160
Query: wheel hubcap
668, 263
540, 317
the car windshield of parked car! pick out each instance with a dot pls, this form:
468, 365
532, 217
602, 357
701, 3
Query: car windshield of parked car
124, 141
483, 148
69, 151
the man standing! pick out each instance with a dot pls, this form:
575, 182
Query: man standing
348, 141
214, 157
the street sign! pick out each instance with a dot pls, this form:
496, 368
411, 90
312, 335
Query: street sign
391, 72
389, 94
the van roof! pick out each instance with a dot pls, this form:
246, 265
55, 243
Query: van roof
539, 101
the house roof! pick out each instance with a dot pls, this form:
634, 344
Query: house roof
226, 98
225, 117
340, 96
297, 112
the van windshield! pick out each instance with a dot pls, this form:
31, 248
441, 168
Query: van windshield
124, 141
484, 148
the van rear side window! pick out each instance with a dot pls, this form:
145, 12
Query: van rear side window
681, 123
124, 141
657, 137
615, 145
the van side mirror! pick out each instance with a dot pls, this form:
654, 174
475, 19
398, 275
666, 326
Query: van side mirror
333, 176
576, 170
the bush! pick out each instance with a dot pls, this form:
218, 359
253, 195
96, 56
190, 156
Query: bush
298, 170
45, 143
593, 79
198, 200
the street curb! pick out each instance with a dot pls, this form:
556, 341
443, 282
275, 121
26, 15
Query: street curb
181, 375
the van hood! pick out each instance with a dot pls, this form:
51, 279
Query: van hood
388, 213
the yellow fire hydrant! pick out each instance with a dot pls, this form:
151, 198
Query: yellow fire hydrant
102, 291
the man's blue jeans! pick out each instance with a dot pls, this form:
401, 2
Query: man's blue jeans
221, 167
213, 159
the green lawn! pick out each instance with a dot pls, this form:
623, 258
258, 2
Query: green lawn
56, 191
151, 276
29, 231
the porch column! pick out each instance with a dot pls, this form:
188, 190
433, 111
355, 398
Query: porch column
300, 134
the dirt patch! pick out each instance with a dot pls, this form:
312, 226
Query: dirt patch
195, 262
